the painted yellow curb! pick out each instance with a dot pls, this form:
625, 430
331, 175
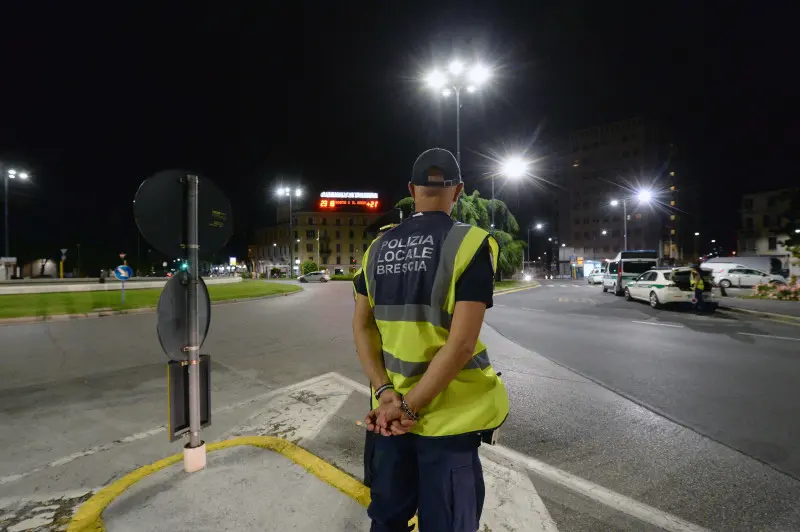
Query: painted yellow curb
89, 517
512, 290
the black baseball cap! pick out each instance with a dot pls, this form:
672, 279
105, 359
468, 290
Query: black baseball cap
436, 161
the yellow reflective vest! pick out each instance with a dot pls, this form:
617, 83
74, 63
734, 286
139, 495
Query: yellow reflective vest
696, 281
412, 334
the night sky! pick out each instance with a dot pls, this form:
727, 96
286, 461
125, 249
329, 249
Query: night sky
98, 96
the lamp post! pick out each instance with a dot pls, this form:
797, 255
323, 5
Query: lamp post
643, 196
459, 76
289, 193
538, 227
8, 175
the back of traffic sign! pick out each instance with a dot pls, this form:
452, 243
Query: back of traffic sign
159, 211
173, 315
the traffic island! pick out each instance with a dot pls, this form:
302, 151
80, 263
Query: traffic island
250, 483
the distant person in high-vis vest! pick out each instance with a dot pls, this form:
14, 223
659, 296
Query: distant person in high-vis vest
698, 285
421, 298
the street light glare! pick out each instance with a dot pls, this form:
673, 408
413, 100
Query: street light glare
539, 226
514, 167
456, 67
479, 74
298, 192
614, 203
550, 239
472, 88
23, 175
280, 191
697, 234
605, 232
435, 80
644, 196
563, 245
12, 172
446, 92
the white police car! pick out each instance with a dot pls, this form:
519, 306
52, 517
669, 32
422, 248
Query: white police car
668, 286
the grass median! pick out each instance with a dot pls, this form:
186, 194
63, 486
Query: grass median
51, 304
510, 285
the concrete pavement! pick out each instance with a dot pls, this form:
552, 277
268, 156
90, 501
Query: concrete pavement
84, 404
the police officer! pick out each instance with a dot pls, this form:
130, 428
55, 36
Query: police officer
422, 295
698, 285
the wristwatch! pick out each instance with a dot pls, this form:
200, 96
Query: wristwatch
382, 389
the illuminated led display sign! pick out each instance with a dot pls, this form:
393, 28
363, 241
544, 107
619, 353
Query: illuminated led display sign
353, 200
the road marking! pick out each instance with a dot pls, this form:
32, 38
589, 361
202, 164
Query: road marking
614, 500
158, 430
678, 326
500, 305
533, 309
562, 285
771, 336
512, 502
590, 316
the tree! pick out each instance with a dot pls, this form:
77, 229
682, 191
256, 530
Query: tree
476, 210
309, 266
791, 224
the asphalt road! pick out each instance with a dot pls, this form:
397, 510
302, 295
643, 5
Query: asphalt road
701, 426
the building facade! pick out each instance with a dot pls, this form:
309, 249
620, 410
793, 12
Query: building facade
335, 237
761, 232
595, 166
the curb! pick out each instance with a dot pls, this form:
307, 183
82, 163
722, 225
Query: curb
534, 284
24, 320
770, 315
89, 517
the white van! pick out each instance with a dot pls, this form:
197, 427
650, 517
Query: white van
729, 275
626, 267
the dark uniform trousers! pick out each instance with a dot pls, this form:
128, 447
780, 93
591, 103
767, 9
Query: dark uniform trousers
441, 478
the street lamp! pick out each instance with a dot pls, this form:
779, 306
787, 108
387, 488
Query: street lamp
512, 168
604, 232
8, 175
459, 76
538, 227
287, 192
643, 196
697, 234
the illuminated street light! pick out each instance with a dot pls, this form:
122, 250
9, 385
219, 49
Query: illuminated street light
713, 241
8, 175
513, 168
604, 232
287, 192
797, 230
644, 196
539, 227
459, 75
697, 234
550, 239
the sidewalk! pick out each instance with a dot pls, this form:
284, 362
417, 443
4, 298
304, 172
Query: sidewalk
764, 307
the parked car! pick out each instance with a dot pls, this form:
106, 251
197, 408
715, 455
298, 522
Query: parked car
627, 266
736, 275
314, 277
669, 286
595, 277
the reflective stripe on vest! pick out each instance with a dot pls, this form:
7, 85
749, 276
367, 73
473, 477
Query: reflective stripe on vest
412, 334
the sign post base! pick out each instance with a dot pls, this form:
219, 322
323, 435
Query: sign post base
194, 458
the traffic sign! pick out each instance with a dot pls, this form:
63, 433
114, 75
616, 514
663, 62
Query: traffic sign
173, 315
161, 218
123, 272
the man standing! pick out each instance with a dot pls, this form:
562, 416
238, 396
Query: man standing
422, 295
697, 283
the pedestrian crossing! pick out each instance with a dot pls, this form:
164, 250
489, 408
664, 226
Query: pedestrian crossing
573, 285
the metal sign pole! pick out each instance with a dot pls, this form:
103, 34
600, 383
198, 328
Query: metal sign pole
195, 452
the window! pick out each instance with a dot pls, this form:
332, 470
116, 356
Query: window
615, 233
323, 221
323, 233
576, 235
364, 247
338, 234
577, 221
310, 234
338, 259
338, 248
338, 222
585, 205
309, 247
351, 221
310, 220
363, 221
296, 248
771, 201
352, 234
364, 236
767, 220
352, 260
748, 203
772, 243
352, 248
295, 221
586, 221
667, 275
296, 235
672, 217
748, 223
586, 235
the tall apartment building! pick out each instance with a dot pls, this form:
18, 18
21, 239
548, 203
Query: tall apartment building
594, 166
761, 232
333, 234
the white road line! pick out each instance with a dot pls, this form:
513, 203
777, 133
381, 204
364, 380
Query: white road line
614, 500
496, 305
158, 430
512, 502
562, 285
533, 309
770, 336
677, 326
590, 316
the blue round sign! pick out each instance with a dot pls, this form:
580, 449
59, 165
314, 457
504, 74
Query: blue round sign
123, 273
